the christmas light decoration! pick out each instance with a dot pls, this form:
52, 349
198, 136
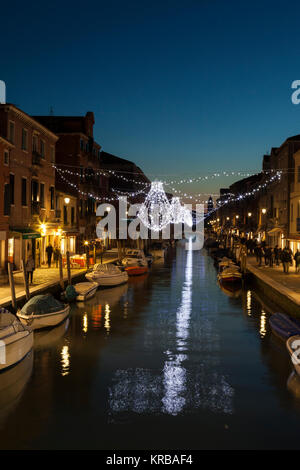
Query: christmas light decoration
177, 213
155, 212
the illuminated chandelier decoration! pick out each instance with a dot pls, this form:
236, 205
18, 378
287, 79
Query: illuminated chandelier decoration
177, 211
155, 212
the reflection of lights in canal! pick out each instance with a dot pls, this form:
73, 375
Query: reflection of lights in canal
65, 360
85, 323
106, 318
249, 303
263, 329
174, 373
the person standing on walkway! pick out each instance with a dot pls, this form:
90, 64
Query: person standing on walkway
297, 261
276, 255
56, 256
271, 257
30, 267
259, 254
49, 251
286, 260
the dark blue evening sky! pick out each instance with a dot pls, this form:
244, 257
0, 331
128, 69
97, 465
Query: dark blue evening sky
182, 88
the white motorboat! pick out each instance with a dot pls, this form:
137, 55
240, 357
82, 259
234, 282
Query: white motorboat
293, 347
16, 340
107, 275
85, 290
135, 258
43, 311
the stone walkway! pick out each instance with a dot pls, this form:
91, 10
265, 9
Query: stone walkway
43, 278
290, 281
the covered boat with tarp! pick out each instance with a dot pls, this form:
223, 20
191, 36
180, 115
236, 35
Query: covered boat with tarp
16, 340
284, 326
43, 311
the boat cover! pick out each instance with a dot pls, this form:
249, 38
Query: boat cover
42, 304
284, 325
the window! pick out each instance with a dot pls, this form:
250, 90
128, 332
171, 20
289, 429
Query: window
65, 215
72, 215
6, 199
99, 154
292, 212
24, 192
42, 149
24, 139
34, 143
52, 197
6, 157
52, 154
11, 132
81, 144
12, 188
42, 195
34, 190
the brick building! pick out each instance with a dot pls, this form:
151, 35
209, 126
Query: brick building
5, 148
78, 161
30, 193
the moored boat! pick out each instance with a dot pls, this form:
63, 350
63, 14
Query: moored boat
293, 347
136, 270
230, 274
85, 290
107, 275
43, 311
16, 340
284, 326
135, 263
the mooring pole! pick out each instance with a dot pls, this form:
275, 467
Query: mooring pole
25, 279
12, 285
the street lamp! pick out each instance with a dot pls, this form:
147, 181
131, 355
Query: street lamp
264, 210
67, 200
108, 209
249, 214
237, 216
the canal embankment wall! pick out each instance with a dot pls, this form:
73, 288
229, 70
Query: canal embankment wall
285, 297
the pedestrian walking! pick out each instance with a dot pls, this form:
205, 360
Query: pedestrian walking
56, 256
30, 267
277, 255
286, 260
259, 254
297, 261
49, 251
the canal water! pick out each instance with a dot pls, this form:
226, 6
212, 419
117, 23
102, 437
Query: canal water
169, 361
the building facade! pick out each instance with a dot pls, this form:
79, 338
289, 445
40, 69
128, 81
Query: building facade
31, 185
78, 170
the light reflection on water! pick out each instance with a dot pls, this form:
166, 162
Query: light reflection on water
170, 350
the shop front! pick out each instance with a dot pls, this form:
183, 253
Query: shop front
21, 244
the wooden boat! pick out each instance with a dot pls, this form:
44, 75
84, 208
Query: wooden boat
85, 290
230, 274
16, 340
136, 270
284, 326
43, 311
107, 275
293, 347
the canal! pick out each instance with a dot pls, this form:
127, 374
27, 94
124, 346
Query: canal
169, 361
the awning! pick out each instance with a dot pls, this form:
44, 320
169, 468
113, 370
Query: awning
27, 234
274, 231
